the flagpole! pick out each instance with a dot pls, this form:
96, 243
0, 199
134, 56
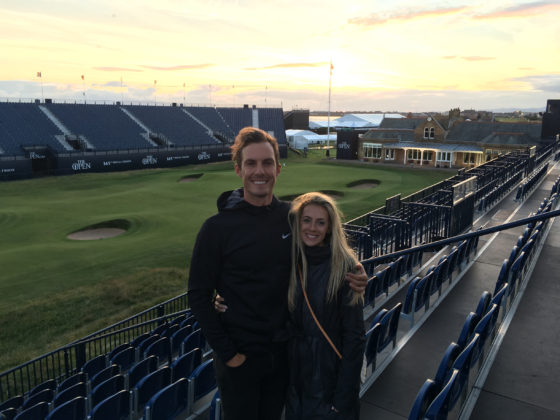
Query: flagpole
40, 76
329, 112
84, 87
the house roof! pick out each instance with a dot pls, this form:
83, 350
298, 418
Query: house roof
495, 133
401, 123
440, 147
389, 134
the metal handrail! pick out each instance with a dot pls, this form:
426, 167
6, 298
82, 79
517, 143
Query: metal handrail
457, 238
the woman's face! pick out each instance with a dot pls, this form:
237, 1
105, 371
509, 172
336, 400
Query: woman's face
314, 225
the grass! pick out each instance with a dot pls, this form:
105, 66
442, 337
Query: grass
55, 290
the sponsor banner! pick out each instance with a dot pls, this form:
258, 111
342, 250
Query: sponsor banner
66, 165
15, 169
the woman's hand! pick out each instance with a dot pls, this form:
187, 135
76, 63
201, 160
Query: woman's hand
236, 360
358, 280
219, 305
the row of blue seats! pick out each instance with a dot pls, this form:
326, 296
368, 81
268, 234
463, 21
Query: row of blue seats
527, 185
136, 359
438, 396
392, 274
497, 193
384, 327
161, 394
422, 288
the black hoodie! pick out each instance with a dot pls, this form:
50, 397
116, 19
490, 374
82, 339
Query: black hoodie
242, 253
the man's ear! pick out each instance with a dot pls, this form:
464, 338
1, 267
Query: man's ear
237, 170
278, 168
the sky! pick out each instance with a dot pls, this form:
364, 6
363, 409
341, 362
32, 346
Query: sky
399, 55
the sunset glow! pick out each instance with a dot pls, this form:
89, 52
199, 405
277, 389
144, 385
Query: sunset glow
400, 55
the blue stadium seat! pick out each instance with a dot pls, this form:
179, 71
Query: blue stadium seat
72, 380
424, 398
378, 317
446, 364
463, 365
71, 410
80, 389
115, 407
93, 366
141, 348
46, 395
142, 368
107, 388
442, 403
169, 402
389, 325
202, 381
468, 329
159, 330
381, 282
14, 402
35, 412
483, 303
485, 329
372, 344
148, 386
160, 348
216, 408
184, 365
178, 337
136, 342
498, 299
104, 374
192, 341
417, 297
171, 329
125, 358
49, 384
9, 413
437, 279
116, 350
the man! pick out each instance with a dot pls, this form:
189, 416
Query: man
243, 253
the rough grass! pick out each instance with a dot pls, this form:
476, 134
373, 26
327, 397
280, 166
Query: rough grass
55, 290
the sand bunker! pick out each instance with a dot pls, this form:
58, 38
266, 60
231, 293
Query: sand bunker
103, 230
94, 234
190, 178
363, 184
331, 193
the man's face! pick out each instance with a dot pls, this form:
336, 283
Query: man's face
258, 172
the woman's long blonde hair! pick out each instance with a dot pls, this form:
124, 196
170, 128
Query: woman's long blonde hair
343, 259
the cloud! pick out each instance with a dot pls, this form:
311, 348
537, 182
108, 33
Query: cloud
522, 10
468, 58
376, 19
542, 83
477, 58
180, 67
116, 69
289, 66
114, 83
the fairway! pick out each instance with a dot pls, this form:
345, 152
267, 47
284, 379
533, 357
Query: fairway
55, 290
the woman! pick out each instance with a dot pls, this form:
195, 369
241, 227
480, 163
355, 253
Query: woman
323, 384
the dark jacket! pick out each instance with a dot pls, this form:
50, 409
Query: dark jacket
243, 253
319, 379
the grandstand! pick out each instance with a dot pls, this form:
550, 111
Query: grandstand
59, 139
449, 315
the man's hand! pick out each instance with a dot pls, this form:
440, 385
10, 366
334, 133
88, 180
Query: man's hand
236, 360
358, 280
219, 305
